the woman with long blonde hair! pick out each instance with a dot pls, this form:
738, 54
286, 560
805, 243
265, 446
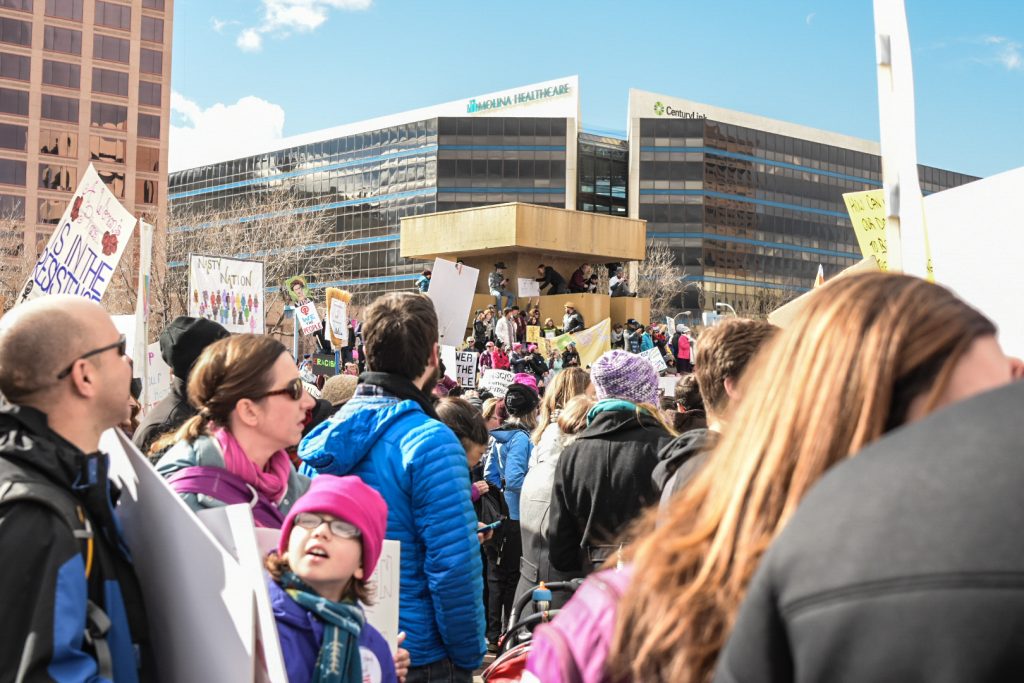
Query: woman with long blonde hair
867, 354
566, 384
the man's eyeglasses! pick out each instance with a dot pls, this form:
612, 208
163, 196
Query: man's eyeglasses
294, 389
121, 345
339, 528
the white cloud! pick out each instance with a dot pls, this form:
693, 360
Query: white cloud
222, 131
810, 18
220, 24
1009, 53
282, 17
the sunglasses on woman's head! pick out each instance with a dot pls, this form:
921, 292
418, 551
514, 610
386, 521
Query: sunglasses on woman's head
338, 527
294, 389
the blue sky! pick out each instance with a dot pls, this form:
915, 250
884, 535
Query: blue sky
248, 71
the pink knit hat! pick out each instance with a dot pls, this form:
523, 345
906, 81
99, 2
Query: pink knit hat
527, 379
348, 499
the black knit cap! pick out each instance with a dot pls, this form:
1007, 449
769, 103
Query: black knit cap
521, 400
184, 339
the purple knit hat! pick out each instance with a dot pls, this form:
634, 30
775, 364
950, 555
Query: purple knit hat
348, 499
619, 374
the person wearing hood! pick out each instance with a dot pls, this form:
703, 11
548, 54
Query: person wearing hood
505, 467
181, 342
682, 349
603, 479
389, 435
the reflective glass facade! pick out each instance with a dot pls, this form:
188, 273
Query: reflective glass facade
603, 175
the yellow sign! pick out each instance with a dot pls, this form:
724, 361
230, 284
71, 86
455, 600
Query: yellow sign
533, 334
593, 342
867, 212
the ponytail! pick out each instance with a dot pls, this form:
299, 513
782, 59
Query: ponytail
192, 429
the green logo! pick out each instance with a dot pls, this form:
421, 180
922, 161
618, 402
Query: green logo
659, 108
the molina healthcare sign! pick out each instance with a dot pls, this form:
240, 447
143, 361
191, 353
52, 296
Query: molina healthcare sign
86, 247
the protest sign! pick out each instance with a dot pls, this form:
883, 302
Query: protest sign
228, 291
528, 287
158, 376
337, 315
297, 289
867, 213
465, 369
383, 614
667, 384
325, 364
533, 334
561, 342
86, 247
496, 381
449, 358
125, 324
593, 342
451, 289
308, 319
654, 357
142, 306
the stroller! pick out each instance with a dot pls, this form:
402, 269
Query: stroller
514, 643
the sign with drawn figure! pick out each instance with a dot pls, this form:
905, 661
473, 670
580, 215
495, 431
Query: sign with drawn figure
465, 368
337, 315
528, 287
228, 291
86, 247
451, 289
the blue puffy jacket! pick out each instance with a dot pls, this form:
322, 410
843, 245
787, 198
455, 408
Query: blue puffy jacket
419, 467
507, 461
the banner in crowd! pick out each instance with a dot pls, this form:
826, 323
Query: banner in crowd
325, 364
86, 247
593, 342
465, 368
496, 381
654, 357
528, 287
451, 289
228, 291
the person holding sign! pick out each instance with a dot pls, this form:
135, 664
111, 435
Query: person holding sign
233, 451
330, 543
550, 278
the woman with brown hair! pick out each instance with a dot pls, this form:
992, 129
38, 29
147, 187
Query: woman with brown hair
867, 354
252, 406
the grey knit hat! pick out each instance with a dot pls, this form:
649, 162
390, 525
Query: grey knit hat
619, 374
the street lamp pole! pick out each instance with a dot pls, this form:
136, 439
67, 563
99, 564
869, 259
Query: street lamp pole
721, 304
289, 314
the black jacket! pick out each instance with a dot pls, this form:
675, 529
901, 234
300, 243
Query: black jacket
44, 586
553, 279
679, 461
602, 483
904, 563
166, 416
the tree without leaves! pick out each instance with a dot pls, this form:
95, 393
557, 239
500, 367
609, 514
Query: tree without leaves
660, 280
16, 262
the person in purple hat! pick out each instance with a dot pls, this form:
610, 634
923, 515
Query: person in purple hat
603, 479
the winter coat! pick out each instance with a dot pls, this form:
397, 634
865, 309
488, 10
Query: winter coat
646, 343
633, 340
578, 282
553, 279
507, 460
166, 416
903, 563
480, 334
534, 509
602, 483
206, 452
681, 353
44, 587
419, 467
423, 283
572, 322
504, 330
570, 358
537, 365
679, 461
494, 282
518, 362
301, 633
499, 361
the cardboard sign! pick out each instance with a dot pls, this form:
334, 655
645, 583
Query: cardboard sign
228, 291
86, 247
497, 381
533, 334
451, 289
325, 364
528, 287
867, 213
654, 357
337, 318
465, 369
308, 319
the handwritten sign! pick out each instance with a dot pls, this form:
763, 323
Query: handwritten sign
533, 334
85, 248
465, 369
867, 212
325, 364
228, 291
654, 357
528, 287
307, 318
159, 376
496, 382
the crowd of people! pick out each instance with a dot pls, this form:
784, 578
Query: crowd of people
726, 532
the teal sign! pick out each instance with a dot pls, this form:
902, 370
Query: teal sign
522, 97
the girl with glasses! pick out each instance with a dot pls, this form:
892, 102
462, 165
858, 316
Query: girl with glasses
252, 406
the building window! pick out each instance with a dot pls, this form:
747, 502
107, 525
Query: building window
151, 61
114, 16
153, 29
15, 32
147, 159
17, 67
153, 4
23, 5
149, 93
114, 182
52, 177
59, 109
110, 82
65, 9
12, 172
51, 211
149, 126
60, 143
110, 150
145, 191
14, 101
111, 48
64, 40
13, 137
62, 74
112, 116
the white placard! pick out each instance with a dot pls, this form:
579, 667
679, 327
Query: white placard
528, 287
307, 318
125, 324
228, 291
337, 317
668, 385
465, 368
386, 579
654, 357
158, 376
449, 357
451, 289
497, 381
86, 247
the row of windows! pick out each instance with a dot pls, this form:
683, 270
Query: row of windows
512, 172
107, 14
491, 127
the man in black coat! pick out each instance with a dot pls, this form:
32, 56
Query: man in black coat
904, 563
181, 343
551, 278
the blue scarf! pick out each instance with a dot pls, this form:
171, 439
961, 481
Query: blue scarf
339, 660
613, 405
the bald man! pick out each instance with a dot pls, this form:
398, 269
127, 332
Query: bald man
64, 372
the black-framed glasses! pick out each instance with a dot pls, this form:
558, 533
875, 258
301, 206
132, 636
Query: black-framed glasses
338, 527
121, 345
294, 390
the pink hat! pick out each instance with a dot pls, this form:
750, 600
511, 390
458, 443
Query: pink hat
348, 499
527, 379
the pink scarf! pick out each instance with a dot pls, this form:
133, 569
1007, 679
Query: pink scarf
271, 482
